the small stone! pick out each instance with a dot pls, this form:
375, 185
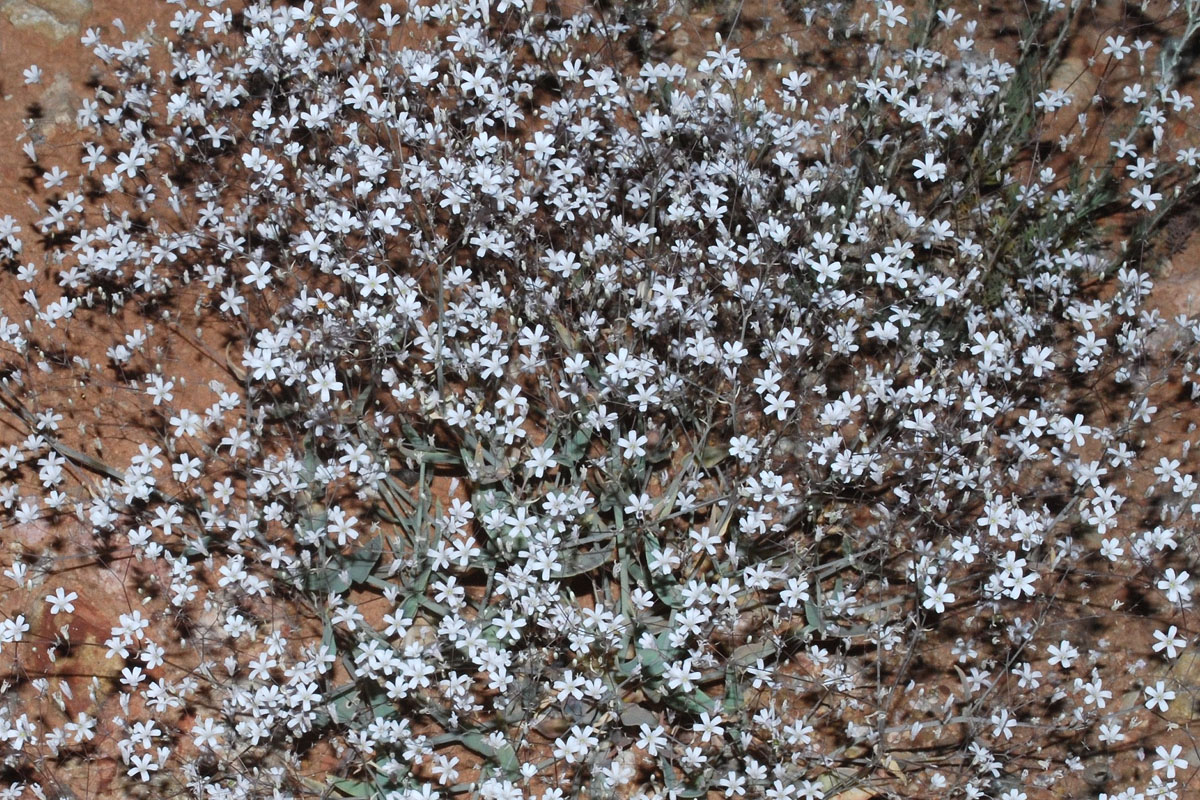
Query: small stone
420, 633
66, 10
59, 102
1079, 83
1184, 678
857, 793
23, 14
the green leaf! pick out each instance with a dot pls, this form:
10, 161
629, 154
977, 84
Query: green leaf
573, 450
382, 704
696, 703
734, 696
583, 563
328, 643
360, 402
569, 338
652, 662
664, 586
713, 455
343, 571
668, 772
813, 615
747, 654
484, 466
347, 707
666, 502
634, 715
362, 561
658, 455
635, 571
674, 787
349, 788
504, 756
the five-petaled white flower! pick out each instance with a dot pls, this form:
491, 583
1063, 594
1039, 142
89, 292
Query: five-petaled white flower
1169, 641
508, 626
1063, 653
1115, 46
936, 597
323, 382
141, 766
1145, 197
1158, 696
632, 444
207, 732
540, 459
1169, 760
61, 601
341, 11
652, 739
372, 282
928, 169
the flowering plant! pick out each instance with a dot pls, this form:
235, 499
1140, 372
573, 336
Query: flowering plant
582, 422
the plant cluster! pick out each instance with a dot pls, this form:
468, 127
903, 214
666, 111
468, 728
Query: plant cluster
596, 425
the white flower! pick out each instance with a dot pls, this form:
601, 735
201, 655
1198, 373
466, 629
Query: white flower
1038, 359
578, 743
936, 597
1110, 733
1169, 760
61, 601
83, 729
341, 526
540, 459
708, 726
313, 246
1174, 585
1115, 47
141, 766
1094, 692
1158, 695
632, 444
1145, 197
680, 675
639, 504
508, 626
372, 282
1069, 431
892, 14
260, 274
929, 169
187, 468
341, 11
542, 146
1003, 724
1169, 641
779, 404
734, 783
1062, 653
1143, 170
160, 390
13, 630
743, 448
130, 162
206, 732
323, 381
